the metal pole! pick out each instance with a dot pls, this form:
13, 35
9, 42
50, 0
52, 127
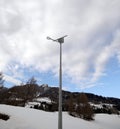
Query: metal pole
60, 41
60, 91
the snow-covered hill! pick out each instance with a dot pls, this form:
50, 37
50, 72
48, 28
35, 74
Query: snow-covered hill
26, 118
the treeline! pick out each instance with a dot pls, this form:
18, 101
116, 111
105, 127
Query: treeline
79, 107
77, 104
106, 109
18, 95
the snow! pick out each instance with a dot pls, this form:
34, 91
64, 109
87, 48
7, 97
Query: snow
38, 101
43, 99
99, 106
27, 118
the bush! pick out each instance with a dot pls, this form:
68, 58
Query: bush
15, 103
36, 106
4, 116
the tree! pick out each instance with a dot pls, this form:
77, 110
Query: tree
71, 105
84, 109
1, 80
32, 81
30, 89
2, 90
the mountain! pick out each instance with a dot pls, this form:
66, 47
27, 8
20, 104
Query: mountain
19, 95
52, 92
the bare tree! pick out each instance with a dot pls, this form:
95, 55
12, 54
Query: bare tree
71, 105
1, 80
32, 81
84, 109
31, 89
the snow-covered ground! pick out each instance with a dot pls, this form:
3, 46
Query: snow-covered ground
99, 106
26, 118
38, 101
44, 99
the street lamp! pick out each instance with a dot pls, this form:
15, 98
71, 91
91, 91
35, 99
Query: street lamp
60, 41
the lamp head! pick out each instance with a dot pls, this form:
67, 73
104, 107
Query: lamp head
59, 40
48, 38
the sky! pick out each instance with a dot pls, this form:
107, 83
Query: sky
90, 53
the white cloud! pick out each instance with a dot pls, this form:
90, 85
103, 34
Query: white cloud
92, 28
12, 80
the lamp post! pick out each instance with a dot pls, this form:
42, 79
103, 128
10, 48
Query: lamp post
60, 41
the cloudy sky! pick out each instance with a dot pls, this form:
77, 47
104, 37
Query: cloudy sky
91, 52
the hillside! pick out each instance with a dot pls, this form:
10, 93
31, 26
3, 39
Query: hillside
19, 95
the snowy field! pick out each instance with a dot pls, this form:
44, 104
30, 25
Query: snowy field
26, 118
